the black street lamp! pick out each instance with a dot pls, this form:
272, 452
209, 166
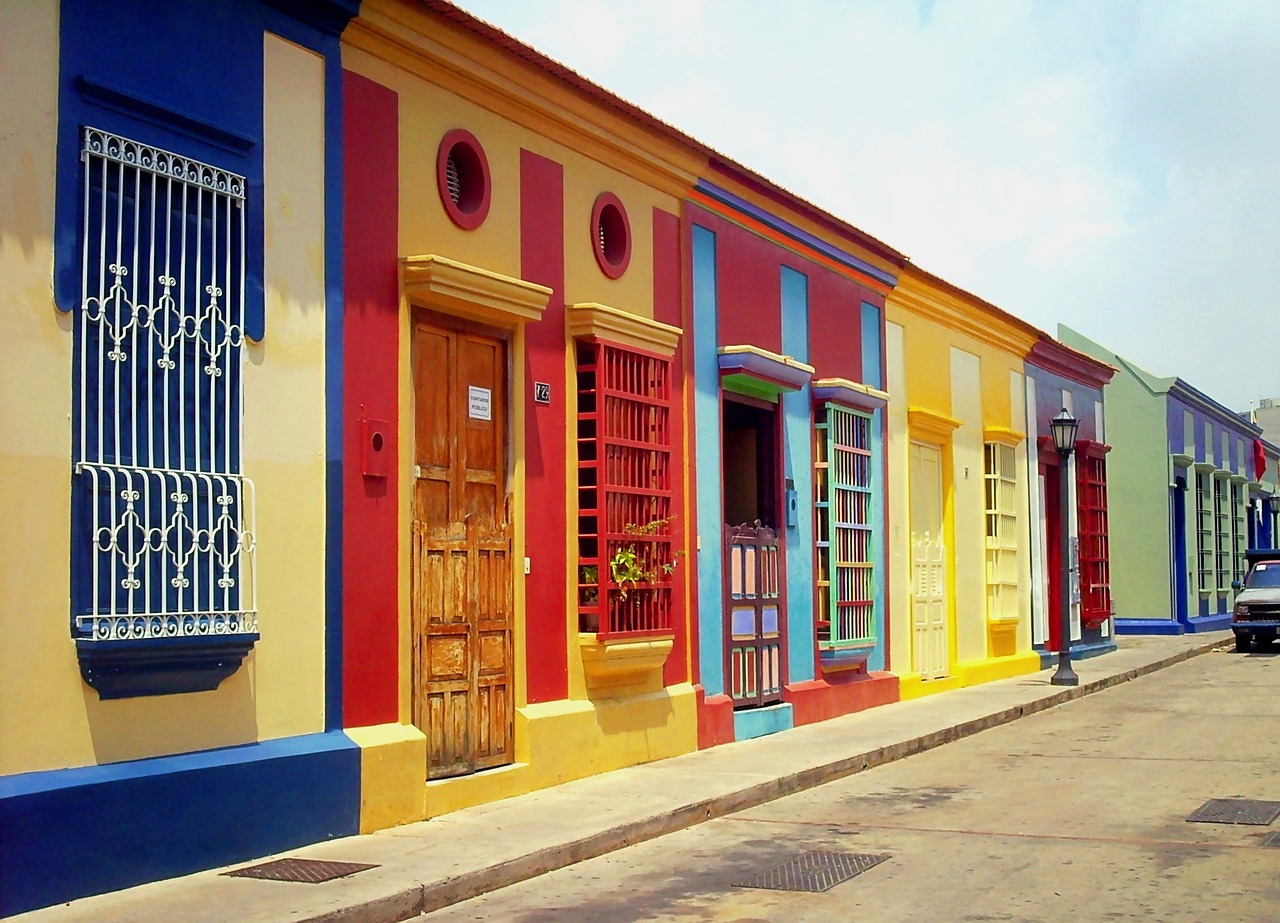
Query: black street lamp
1064, 428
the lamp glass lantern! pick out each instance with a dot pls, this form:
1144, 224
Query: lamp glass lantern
1064, 427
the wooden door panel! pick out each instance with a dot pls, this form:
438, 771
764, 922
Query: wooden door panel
462, 609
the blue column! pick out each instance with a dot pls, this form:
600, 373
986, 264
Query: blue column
873, 375
706, 439
797, 455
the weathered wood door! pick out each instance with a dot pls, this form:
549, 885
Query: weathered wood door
753, 615
931, 647
461, 586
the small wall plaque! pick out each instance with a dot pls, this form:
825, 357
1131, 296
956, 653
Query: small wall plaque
542, 392
479, 403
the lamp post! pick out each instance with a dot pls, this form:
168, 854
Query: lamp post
1064, 428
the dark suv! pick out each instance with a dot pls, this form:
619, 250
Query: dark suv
1256, 617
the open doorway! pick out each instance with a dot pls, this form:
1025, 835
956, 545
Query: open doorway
754, 604
750, 453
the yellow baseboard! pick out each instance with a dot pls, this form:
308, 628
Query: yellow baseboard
393, 766
572, 739
913, 686
988, 669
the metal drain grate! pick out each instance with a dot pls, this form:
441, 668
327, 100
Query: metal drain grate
1271, 839
307, 871
814, 871
1235, 811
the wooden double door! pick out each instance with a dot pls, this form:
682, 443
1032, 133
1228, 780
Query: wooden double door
462, 611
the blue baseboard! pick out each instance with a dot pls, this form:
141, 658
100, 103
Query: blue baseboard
1080, 650
1219, 622
757, 722
70, 833
1148, 627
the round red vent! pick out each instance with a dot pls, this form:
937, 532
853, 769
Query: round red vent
611, 235
462, 174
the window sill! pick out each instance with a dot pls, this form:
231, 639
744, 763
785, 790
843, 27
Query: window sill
626, 665
161, 666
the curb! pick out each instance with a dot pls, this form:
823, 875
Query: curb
424, 898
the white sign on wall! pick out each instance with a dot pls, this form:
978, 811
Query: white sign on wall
479, 403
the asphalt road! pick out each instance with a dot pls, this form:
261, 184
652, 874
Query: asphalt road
1074, 814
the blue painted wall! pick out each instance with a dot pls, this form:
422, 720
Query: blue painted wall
76, 832
797, 454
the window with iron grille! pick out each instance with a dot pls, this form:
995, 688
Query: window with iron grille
1204, 531
1094, 534
845, 570
1001, 477
626, 536
162, 532
1222, 532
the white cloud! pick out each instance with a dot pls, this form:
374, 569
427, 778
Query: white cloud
1107, 163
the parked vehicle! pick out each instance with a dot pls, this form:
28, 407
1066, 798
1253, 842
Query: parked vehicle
1256, 617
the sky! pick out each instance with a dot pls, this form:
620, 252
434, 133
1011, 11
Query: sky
1113, 165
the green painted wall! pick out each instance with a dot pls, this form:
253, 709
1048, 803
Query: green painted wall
1137, 488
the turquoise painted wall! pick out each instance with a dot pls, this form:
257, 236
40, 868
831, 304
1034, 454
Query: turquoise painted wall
706, 439
797, 452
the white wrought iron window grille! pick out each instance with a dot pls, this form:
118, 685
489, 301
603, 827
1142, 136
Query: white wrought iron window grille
163, 532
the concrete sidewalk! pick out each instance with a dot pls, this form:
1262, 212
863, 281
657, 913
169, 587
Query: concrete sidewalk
425, 866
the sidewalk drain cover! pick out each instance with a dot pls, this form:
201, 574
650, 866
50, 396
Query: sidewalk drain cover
1235, 811
814, 871
308, 871
1271, 839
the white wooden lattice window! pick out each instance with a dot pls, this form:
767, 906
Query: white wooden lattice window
162, 532
1239, 534
1204, 532
1222, 531
845, 569
1001, 476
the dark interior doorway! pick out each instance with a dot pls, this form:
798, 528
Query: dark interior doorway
750, 459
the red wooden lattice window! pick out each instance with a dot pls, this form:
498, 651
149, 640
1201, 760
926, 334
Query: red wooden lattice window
626, 537
1091, 512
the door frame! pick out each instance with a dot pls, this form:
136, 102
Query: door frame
419, 708
465, 293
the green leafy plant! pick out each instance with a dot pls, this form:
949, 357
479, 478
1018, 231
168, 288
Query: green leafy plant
628, 568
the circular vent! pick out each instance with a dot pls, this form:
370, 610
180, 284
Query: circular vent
611, 235
462, 174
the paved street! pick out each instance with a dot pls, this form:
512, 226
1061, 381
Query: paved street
1077, 813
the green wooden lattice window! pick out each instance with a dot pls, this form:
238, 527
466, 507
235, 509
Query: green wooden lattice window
844, 592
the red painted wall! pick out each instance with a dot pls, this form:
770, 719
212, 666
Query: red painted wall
547, 614
835, 317
667, 288
370, 636
748, 293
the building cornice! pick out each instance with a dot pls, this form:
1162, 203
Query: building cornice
1055, 357
930, 298
455, 54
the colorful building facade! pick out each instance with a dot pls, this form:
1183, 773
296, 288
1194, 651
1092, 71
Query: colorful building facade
170, 675
1186, 470
518, 541
787, 314
958, 495
1061, 378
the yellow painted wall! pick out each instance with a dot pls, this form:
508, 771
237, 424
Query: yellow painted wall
48, 717
954, 357
284, 399
969, 508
